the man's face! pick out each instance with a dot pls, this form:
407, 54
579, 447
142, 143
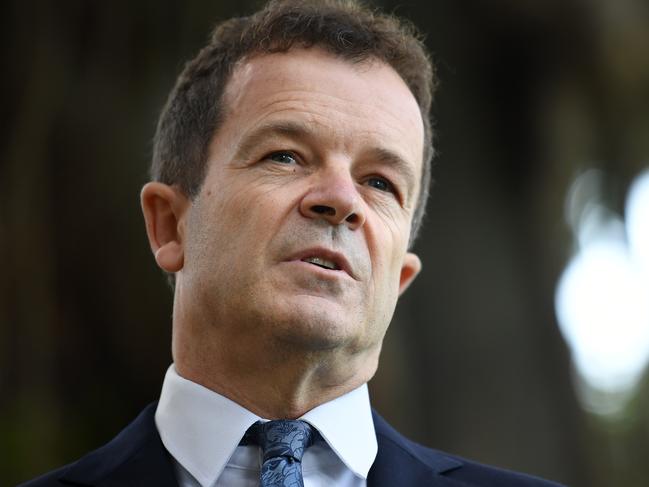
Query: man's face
300, 231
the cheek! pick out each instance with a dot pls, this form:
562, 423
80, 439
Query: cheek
244, 225
387, 239
386, 270
213, 231
389, 252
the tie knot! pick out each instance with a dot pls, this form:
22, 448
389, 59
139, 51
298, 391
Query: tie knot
281, 438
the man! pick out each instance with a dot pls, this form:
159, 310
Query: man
291, 170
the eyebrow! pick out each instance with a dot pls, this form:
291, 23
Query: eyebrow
287, 129
299, 130
391, 159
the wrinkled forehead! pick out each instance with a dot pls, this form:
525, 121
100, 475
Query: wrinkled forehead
311, 78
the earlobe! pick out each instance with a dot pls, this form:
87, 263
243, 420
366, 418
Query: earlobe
170, 257
409, 270
164, 209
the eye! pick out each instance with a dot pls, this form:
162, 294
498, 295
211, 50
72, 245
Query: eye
282, 157
381, 184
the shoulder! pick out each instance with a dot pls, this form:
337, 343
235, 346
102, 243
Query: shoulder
135, 454
50, 479
426, 466
478, 474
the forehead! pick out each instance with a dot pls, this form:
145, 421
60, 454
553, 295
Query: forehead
365, 103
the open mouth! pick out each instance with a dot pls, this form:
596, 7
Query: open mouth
320, 262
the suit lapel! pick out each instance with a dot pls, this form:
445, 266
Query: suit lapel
401, 462
135, 457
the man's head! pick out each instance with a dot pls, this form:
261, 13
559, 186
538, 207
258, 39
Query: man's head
294, 240
195, 109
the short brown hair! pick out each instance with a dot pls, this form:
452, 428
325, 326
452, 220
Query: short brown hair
345, 28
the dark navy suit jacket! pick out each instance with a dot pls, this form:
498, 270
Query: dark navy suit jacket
137, 457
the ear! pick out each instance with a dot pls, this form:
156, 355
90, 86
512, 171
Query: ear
164, 209
409, 270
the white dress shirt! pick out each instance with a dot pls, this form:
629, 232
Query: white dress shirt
202, 430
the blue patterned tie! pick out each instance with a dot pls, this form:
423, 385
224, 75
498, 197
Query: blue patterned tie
283, 443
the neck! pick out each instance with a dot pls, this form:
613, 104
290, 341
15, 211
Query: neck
270, 380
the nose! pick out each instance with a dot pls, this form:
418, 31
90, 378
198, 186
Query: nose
334, 197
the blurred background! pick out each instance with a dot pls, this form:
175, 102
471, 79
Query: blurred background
523, 343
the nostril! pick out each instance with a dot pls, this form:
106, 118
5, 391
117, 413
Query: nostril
353, 218
323, 210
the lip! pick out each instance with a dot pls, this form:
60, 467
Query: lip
336, 257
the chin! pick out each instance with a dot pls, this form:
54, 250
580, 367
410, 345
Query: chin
316, 328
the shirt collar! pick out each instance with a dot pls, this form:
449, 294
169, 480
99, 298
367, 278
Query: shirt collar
201, 428
346, 425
